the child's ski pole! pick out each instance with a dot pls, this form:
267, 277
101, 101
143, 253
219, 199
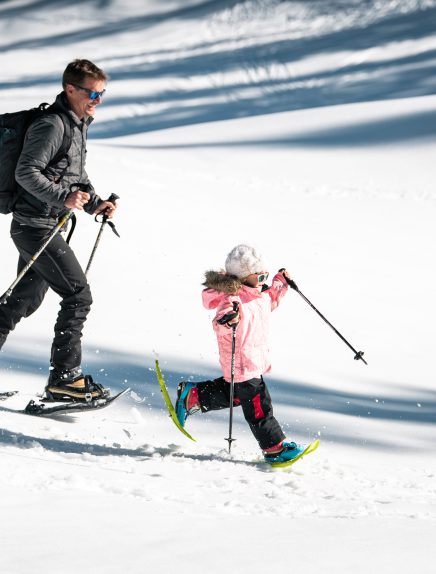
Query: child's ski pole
357, 354
222, 321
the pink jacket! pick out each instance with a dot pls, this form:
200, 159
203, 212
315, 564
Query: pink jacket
252, 351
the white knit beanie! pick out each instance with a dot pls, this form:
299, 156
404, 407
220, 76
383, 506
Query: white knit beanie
243, 260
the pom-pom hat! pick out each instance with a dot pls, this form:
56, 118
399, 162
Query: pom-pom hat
244, 260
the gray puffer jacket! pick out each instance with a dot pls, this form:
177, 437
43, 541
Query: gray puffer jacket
45, 186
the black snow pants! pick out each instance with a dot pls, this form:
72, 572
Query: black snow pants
58, 268
255, 400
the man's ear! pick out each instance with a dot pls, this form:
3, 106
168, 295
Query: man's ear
68, 88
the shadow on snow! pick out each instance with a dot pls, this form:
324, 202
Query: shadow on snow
123, 369
258, 92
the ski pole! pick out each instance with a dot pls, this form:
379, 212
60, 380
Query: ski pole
222, 321
113, 197
32, 260
357, 354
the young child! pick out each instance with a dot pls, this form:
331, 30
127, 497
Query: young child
242, 282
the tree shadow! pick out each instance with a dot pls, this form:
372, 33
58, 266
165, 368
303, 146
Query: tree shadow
404, 76
417, 126
259, 94
104, 28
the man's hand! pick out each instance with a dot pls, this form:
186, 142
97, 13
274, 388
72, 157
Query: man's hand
107, 208
77, 199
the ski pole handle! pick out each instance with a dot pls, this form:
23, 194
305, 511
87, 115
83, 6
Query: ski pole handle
112, 198
229, 316
290, 282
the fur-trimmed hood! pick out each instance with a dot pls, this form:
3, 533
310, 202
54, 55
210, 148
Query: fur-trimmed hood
222, 282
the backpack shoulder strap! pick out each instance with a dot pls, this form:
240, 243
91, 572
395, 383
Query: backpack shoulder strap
67, 137
46, 109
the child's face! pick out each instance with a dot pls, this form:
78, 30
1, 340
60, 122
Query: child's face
256, 279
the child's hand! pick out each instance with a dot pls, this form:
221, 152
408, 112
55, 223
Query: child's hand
288, 279
233, 321
230, 318
285, 273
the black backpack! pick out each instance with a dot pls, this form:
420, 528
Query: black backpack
13, 128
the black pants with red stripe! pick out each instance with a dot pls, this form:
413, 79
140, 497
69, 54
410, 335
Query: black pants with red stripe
255, 400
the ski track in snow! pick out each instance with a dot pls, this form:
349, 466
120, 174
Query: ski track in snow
324, 485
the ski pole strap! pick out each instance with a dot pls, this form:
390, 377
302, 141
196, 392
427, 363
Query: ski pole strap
112, 226
73, 220
72, 217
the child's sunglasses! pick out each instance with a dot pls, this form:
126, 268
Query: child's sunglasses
93, 95
262, 277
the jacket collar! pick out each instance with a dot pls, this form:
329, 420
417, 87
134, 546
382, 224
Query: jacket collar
252, 291
62, 103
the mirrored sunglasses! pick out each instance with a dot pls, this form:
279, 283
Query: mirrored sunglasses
92, 94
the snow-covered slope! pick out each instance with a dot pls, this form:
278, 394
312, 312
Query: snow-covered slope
307, 129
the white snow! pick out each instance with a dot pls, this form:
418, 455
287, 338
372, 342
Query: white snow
307, 129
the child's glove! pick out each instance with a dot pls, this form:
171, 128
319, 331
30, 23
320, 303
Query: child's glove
231, 319
288, 279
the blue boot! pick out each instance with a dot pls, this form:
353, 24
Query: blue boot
182, 410
290, 451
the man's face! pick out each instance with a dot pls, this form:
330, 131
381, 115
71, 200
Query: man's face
79, 96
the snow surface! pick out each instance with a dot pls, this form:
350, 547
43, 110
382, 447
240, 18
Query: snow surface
307, 129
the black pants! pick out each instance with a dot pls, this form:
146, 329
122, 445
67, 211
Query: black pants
58, 268
255, 400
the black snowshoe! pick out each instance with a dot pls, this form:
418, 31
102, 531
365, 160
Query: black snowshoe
73, 386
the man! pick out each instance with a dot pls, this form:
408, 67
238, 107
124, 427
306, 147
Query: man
49, 186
